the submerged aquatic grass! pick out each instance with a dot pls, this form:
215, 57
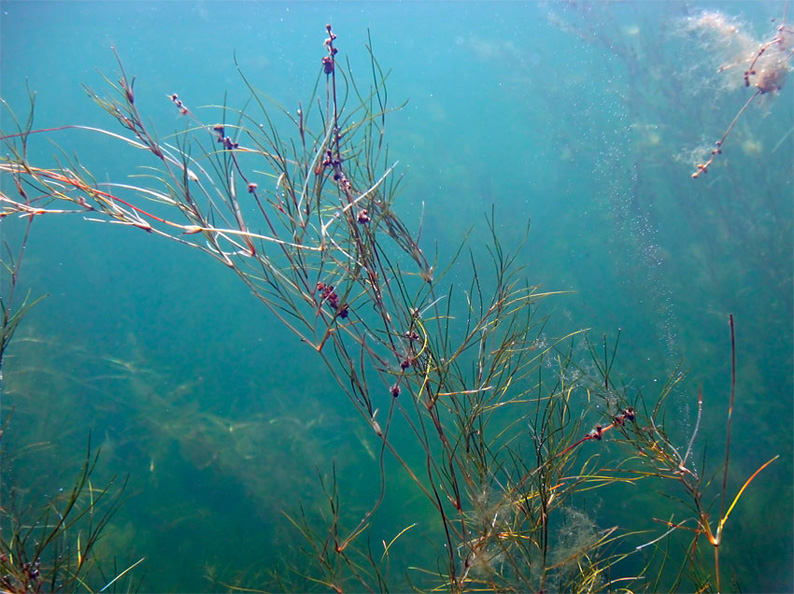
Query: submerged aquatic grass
300, 207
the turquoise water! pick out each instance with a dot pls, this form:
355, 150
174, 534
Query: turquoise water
577, 117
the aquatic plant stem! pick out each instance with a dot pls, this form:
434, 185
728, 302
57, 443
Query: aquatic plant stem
730, 417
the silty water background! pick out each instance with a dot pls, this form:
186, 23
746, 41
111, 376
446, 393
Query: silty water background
585, 118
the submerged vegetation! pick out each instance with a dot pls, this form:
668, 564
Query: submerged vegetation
500, 431
54, 548
48, 546
763, 65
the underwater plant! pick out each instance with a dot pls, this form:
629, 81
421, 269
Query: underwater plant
54, 549
764, 65
498, 415
50, 547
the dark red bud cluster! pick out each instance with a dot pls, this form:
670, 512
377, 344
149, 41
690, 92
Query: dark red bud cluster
328, 61
329, 296
220, 133
178, 102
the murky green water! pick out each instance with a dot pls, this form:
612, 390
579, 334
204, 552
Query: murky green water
581, 120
